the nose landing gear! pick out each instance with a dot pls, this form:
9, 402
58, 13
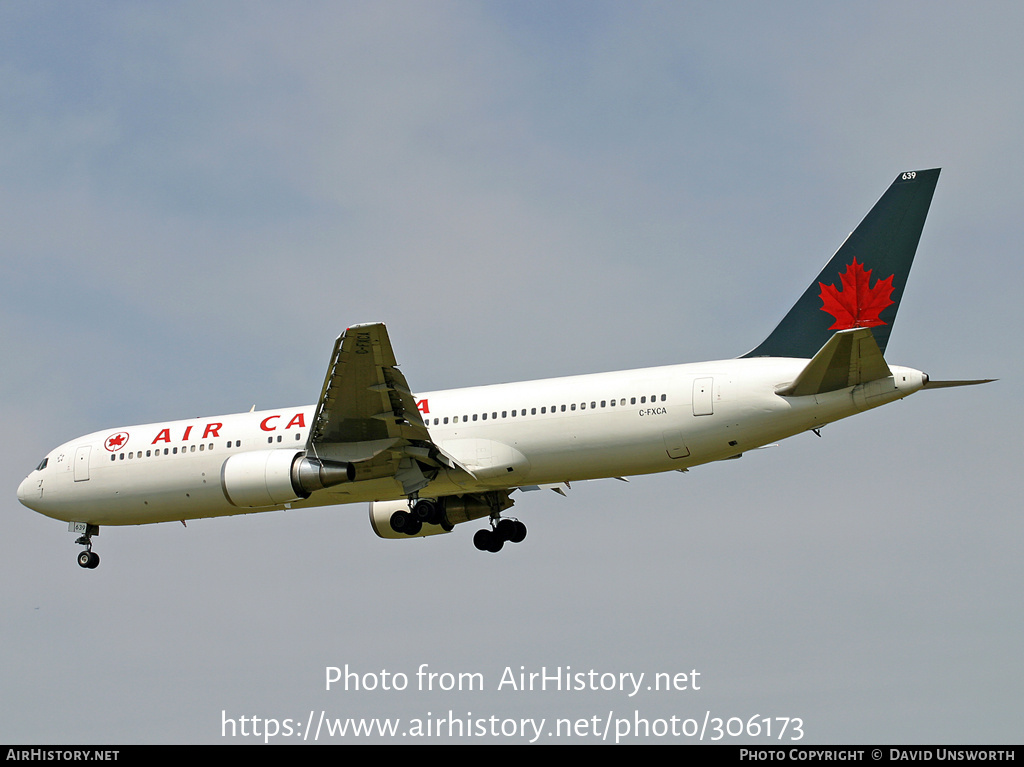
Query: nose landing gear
88, 558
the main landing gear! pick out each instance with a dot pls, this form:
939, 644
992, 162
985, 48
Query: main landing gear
448, 511
423, 512
511, 530
88, 558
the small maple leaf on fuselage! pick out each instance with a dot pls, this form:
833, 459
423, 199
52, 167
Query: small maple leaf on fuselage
856, 304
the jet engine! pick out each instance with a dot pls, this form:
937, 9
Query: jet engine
272, 477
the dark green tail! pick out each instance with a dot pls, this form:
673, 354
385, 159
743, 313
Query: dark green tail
863, 283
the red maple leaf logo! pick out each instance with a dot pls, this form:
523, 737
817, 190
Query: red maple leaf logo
856, 304
114, 441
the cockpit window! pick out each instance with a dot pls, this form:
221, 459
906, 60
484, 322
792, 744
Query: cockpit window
42, 464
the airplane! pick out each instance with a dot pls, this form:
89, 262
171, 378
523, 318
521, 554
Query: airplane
430, 461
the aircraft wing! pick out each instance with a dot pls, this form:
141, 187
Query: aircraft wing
367, 416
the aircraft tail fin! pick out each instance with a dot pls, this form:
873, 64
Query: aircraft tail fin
861, 286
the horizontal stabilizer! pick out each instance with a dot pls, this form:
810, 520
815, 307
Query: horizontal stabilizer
930, 384
849, 358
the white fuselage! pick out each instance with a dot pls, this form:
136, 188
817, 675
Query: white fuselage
505, 435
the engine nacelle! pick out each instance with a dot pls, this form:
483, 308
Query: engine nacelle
454, 510
262, 478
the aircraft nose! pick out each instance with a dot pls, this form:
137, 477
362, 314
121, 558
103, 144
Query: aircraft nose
25, 490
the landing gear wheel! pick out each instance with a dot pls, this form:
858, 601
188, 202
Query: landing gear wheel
511, 530
505, 529
89, 560
427, 512
405, 523
488, 540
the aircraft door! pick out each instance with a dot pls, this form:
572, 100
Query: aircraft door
82, 462
702, 396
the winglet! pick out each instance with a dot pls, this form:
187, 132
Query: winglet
861, 286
